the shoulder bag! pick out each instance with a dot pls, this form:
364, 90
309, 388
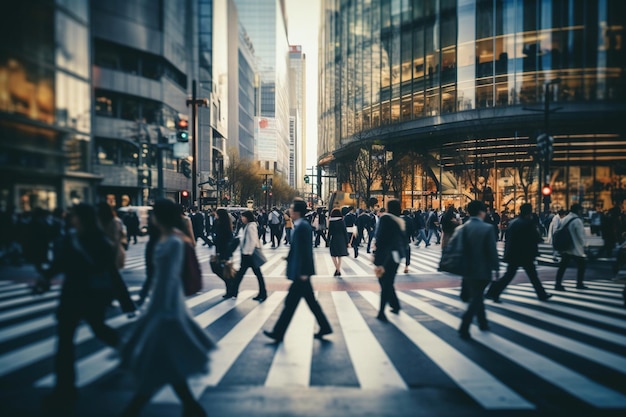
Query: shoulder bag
453, 258
192, 274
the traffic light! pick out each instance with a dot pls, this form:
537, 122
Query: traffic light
306, 179
182, 130
185, 168
184, 198
144, 177
546, 190
545, 144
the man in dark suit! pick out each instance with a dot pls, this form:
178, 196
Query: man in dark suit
479, 248
521, 249
300, 267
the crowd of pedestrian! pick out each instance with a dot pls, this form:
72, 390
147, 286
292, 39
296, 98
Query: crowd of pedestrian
88, 243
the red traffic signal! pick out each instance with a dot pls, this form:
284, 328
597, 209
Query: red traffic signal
184, 193
182, 124
546, 190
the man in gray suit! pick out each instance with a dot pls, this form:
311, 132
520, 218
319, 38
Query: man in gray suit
479, 247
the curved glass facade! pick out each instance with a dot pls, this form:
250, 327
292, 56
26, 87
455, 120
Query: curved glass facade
436, 76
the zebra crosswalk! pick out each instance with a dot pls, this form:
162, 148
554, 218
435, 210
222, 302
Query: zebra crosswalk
423, 260
570, 349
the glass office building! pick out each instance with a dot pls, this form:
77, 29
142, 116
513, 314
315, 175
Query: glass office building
45, 105
453, 94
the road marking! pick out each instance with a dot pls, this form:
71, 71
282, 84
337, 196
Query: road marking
105, 360
229, 348
29, 299
373, 368
488, 391
30, 326
604, 292
23, 311
593, 354
556, 374
614, 310
291, 366
579, 295
556, 320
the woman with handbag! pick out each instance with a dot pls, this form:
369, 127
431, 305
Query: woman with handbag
87, 260
224, 248
251, 256
167, 346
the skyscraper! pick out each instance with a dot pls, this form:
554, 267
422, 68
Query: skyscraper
266, 24
297, 65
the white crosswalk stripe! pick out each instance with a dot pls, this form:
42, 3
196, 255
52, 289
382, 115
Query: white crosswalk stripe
554, 342
423, 261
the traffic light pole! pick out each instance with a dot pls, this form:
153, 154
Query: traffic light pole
194, 103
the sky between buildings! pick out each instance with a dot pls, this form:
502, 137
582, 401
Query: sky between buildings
303, 22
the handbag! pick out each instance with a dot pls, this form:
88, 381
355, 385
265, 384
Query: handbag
257, 258
222, 268
191, 274
453, 258
562, 239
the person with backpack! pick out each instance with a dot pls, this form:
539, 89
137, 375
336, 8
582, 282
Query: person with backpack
274, 220
572, 231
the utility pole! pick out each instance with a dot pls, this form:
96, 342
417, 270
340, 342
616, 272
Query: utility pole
194, 103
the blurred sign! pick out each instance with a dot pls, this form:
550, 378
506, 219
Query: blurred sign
181, 150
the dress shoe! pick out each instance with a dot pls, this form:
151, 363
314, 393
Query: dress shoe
356, 252
559, 288
406, 269
395, 310
273, 336
484, 327
322, 333
194, 410
260, 298
465, 335
581, 287
545, 297
494, 298
336, 274
382, 318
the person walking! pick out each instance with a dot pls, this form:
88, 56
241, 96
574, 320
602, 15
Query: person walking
274, 220
223, 246
520, 250
249, 243
87, 260
432, 227
166, 346
115, 230
300, 268
479, 248
288, 227
337, 236
449, 222
574, 222
390, 246
408, 233
131, 221
420, 229
198, 227
319, 226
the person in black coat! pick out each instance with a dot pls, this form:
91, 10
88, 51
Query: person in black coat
87, 260
337, 235
300, 268
520, 250
224, 248
197, 225
390, 248
408, 233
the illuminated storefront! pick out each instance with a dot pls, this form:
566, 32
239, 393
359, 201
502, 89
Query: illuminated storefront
458, 90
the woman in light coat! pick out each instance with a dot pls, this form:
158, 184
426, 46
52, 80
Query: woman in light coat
249, 242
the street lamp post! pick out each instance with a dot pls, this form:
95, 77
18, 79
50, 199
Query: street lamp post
194, 102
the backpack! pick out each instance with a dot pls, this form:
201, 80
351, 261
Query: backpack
562, 239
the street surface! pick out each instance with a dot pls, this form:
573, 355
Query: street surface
562, 357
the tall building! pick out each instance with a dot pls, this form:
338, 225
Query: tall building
141, 70
297, 79
45, 105
437, 97
266, 24
244, 104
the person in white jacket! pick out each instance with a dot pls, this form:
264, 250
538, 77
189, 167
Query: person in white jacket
554, 226
249, 242
574, 222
